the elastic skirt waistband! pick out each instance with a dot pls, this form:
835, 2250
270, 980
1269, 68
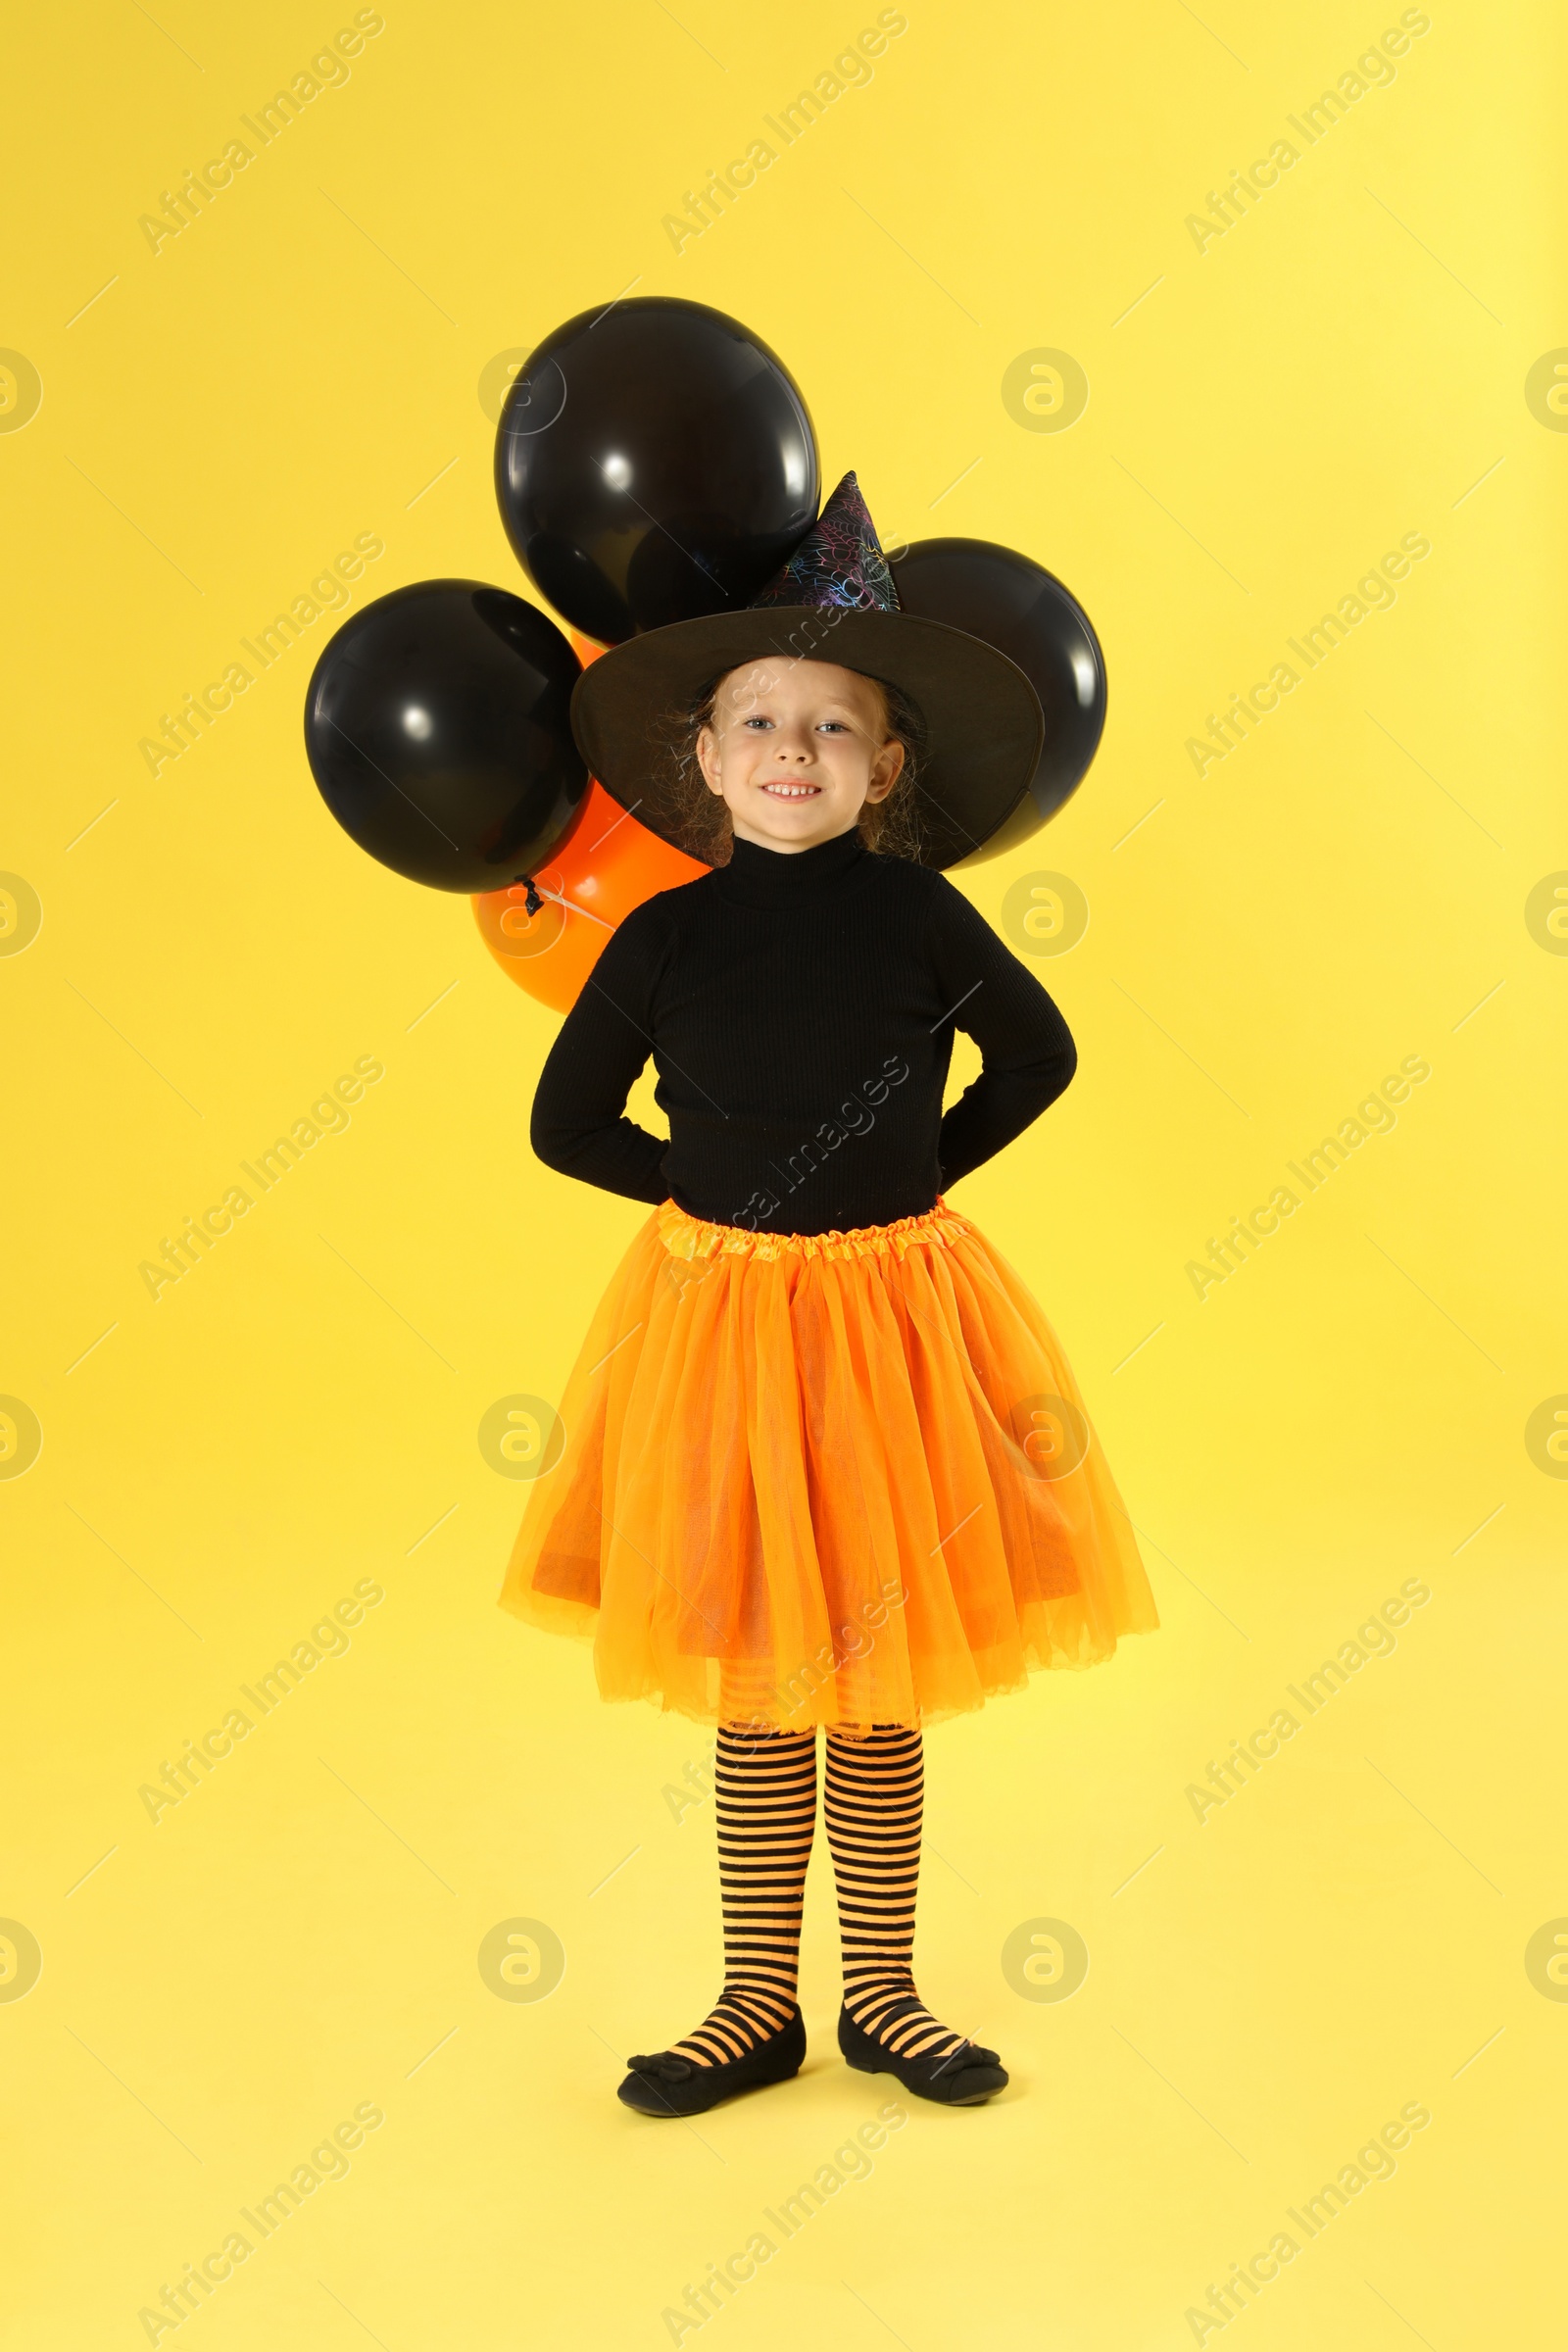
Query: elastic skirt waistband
691, 1236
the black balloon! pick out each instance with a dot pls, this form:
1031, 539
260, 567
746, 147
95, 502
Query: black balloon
1026, 613
655, 463
437, 728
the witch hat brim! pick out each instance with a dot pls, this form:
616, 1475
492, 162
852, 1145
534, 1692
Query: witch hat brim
833, 601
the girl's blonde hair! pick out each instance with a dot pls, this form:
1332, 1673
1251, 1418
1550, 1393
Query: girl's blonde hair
891, 825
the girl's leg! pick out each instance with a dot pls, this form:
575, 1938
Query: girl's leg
766, 1804
874, 1804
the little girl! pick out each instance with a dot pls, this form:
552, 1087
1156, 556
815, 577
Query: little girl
825, 1462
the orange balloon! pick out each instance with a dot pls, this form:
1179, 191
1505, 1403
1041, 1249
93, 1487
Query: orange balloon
604, 865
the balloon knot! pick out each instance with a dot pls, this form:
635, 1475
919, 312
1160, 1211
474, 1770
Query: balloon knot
533, 902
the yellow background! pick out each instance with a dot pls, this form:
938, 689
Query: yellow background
1265, 419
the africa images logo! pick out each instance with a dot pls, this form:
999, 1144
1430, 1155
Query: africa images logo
1373, 1115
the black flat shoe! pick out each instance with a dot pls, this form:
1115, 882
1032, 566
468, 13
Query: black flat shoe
666, 2084
966, 2077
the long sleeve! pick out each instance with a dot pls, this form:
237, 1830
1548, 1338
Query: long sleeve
1028, 1053
578, 1125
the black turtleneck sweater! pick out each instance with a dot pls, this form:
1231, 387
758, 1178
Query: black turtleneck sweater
799, 1008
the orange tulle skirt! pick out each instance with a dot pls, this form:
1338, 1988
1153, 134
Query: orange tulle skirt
838, 1479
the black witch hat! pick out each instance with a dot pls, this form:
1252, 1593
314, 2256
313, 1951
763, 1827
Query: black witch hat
832, 601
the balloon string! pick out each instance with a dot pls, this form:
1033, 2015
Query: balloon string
537, 897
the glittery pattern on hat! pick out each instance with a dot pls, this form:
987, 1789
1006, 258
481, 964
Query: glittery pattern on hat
839, 563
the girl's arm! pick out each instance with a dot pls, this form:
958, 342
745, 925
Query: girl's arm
577, 1125
1029, 1056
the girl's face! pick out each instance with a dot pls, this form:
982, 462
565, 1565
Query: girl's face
796, 750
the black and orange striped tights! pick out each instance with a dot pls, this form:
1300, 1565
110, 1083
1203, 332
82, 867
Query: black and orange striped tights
766, 1801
